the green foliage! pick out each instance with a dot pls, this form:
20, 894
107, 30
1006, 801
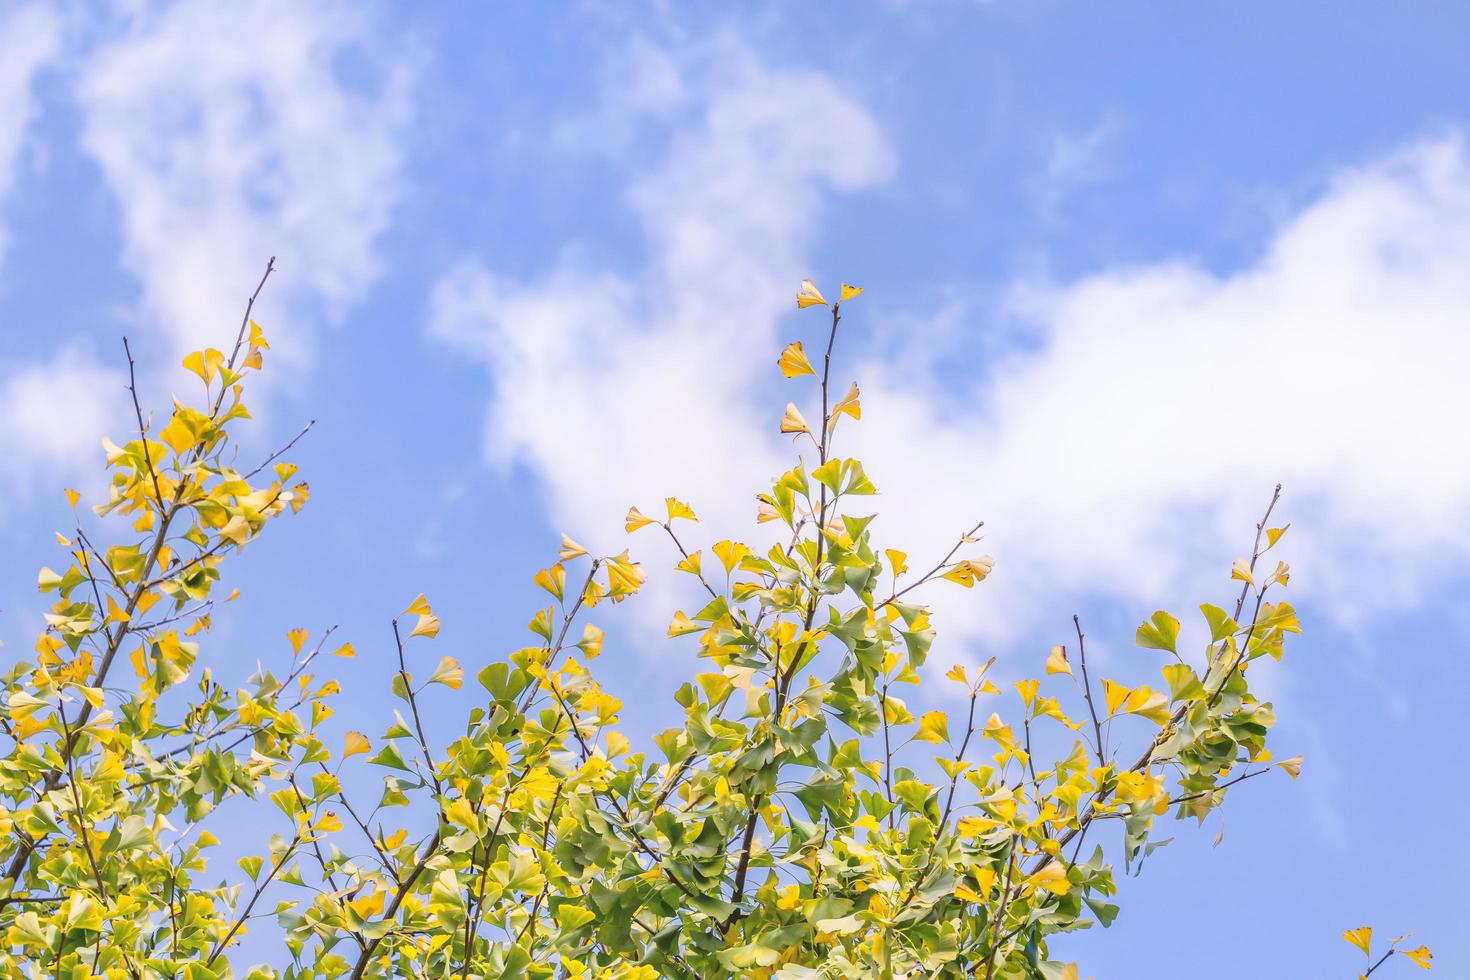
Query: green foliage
801, 822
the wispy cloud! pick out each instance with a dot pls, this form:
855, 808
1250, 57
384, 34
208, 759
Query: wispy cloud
1123, 452
1074, 160
1126, 450
618, 387
30, 36
229, 134
51, 416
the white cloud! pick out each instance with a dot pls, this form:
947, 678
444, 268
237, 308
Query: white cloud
625, 387
52, 418
1123, 452
231, 133
1127, 450
1074, 160
29, 39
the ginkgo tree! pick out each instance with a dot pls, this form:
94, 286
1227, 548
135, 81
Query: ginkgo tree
807, 818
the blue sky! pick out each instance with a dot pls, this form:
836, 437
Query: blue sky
1127, 266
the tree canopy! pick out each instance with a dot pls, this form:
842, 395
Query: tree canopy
816, 814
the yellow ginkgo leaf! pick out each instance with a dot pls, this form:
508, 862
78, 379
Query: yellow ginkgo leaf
1292, 766
677, 508
849, 405
808, 295
591, 642
356, 744
1053, 878
690, 564
793, 422
1361, 937
683, 625
297, 638
570, 549
1422, 955
449, 673
1056, 662
969, 571
793, 362
116, 613
730, 553
1282, 574
624, 576
428, 623
194, 361
636, 519
849, 292
933, 727
957, 673
72, 497
898, 561
1115, 695
1242, 572
966, 894
553, 580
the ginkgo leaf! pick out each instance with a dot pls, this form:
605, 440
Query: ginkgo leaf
449, 673
1273, 535
679, 509
849, 405
683, 625
1161, 632
553, 580
957, 673
969, 571
591, 642
204, 363
1281, 575
1115, 695
1056, 661
1421, 956
426, 626
1148, 703
933, 727
730, 553
690, 563
624, 576
570, 549
72, 497
356, 743
636, 519
116, 613
297, 638
808, 295
849, 292
897, 561
966, 894
1053, 878
1240, 571
428, 623
793, 422
1292, 766
793, 361
1361, 937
